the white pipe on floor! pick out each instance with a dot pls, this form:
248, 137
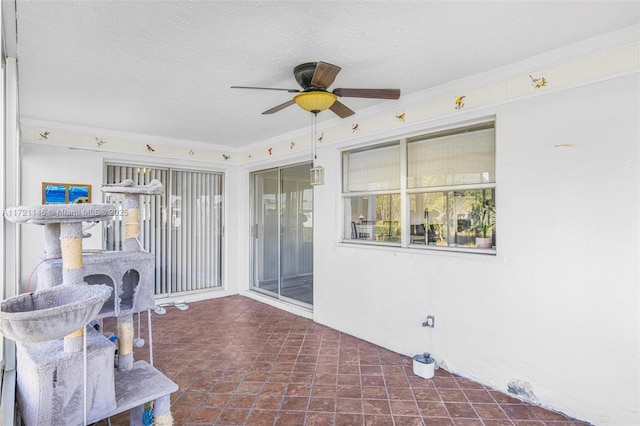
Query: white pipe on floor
150, 338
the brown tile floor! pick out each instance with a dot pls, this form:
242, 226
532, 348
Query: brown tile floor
241, 362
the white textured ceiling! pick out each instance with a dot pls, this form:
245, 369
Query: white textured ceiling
164, 68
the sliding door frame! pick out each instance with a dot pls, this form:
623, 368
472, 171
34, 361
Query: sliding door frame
163, 260
256, 233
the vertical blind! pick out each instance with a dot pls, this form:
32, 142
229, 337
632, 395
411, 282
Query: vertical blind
182, 227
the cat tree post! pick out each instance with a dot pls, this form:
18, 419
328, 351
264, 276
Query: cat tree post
131, 222
52, 247
72, 272
131, 244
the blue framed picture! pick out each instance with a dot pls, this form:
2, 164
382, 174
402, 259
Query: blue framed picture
65, 193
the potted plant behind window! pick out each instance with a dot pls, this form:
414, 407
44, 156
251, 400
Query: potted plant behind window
483, 214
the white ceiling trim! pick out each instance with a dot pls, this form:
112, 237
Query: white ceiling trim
42, 125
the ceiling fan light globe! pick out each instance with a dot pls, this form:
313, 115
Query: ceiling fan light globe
315, 101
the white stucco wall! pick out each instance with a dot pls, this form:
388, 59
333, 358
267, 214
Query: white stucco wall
557, 307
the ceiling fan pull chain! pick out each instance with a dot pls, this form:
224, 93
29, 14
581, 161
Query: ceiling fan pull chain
313, 141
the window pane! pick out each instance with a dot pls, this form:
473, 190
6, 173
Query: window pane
453, 218
372, 170
373, 218
454, 159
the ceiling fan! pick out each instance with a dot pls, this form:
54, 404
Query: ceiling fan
315, 79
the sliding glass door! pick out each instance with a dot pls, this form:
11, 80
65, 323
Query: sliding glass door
282, 224
182, 227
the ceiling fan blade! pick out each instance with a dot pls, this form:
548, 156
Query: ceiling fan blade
266, 88
368, 93
279, 107
324, 74
341, 109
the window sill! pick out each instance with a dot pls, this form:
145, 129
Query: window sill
370, 243
422, 247
418, 248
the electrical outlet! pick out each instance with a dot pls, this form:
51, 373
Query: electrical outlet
430, 322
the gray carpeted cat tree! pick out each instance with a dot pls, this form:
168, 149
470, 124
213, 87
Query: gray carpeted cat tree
65, 369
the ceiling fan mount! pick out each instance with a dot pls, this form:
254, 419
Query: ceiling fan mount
315, 79
304, 74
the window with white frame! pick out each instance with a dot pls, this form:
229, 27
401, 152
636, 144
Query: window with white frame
432, 190
371, 193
